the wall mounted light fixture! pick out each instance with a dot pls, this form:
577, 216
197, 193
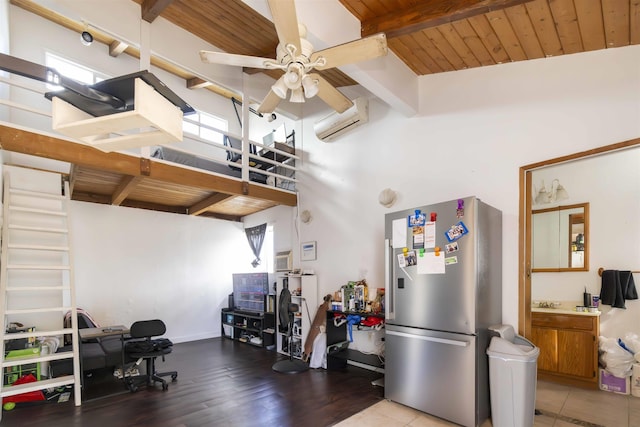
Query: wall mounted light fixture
556, 193
305, 216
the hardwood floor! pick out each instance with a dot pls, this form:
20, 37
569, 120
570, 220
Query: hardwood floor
220, 383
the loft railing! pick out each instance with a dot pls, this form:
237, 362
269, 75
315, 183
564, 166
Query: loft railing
22, 103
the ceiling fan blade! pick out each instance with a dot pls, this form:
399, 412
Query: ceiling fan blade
286, 22
355, 51
269, 103
329, 94
233, 59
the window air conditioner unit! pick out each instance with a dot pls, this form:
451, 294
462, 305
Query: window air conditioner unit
336, 124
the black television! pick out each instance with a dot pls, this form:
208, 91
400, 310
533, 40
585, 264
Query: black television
250, 291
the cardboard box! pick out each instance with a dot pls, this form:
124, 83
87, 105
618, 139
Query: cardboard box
635, 380
612, 383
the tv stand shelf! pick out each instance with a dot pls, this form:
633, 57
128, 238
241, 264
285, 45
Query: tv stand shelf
256, 329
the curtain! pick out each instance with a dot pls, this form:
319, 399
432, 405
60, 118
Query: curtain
255, 235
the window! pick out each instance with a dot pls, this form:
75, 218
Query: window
205, 126
72, 70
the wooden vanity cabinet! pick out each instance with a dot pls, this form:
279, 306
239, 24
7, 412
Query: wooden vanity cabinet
568, 348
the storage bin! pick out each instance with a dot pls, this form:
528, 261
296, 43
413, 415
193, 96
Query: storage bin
13, 373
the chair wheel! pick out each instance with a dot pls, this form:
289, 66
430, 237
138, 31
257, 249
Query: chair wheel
165, 387
133, 388
174, 377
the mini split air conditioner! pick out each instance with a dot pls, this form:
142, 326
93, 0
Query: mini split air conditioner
336, 124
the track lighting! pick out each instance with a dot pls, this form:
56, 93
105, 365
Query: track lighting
86, 38
271, 117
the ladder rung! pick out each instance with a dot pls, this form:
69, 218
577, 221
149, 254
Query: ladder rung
37, 267
37, 211
37, 288
12, 390
37, 310
23, 360
38, 194
18, 335
43, 229
38, 247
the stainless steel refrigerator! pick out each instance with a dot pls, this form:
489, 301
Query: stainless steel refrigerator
443, 280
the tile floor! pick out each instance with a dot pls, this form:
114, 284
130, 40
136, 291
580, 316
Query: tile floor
560, 406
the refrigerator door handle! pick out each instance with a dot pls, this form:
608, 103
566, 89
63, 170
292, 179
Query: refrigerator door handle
389, 300
432, 339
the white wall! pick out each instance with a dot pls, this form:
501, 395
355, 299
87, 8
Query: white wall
478, 127
134, 264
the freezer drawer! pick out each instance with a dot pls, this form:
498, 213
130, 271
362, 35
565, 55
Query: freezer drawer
434, 372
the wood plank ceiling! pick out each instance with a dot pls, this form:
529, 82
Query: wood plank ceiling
431, 36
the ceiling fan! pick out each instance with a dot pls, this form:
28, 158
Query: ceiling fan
296, 57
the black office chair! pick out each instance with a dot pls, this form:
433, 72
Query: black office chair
141, 346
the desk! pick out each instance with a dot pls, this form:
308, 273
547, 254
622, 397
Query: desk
266, 153
87, 334
107, 331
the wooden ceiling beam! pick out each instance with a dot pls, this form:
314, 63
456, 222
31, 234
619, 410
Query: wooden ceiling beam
204, 205
428, 14
197, 83
116, 47
151, 9
127, 185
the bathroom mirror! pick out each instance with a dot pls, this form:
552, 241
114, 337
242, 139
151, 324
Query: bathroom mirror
560, 240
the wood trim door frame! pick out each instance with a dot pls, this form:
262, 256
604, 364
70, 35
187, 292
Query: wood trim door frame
524, 224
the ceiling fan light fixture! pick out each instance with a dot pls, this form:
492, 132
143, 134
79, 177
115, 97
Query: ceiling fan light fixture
280, 88
293, 76
297, 95
310, 86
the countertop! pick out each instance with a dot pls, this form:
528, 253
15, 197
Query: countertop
564, 311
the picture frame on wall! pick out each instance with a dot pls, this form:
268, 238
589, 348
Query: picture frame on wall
308, 251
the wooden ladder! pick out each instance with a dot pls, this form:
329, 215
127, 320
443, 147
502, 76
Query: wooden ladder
36, 283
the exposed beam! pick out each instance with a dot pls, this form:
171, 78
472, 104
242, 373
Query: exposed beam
101, 37
205, 204
127, 185
428, 14
50, 147
117, 47
151, 9
197, 83
73, 172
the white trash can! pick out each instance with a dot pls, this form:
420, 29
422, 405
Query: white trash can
512, 378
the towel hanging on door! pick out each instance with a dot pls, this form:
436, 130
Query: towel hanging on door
617, 286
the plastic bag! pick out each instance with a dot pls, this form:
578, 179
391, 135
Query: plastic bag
632, 342
616, 360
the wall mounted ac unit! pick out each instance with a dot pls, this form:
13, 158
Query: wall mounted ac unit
336, 124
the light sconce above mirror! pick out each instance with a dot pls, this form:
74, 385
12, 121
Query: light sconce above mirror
557, 193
